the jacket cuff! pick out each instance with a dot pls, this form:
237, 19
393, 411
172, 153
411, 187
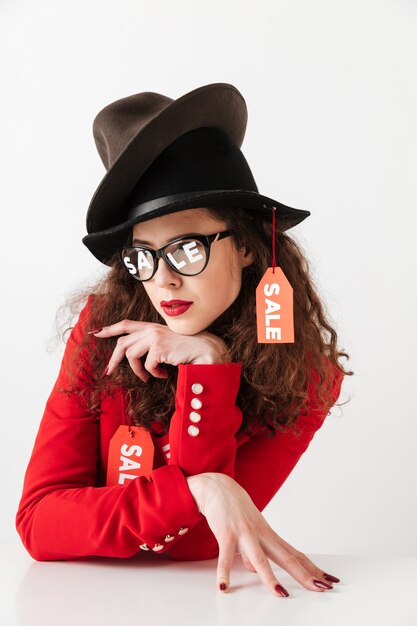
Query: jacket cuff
171, 511
206, 418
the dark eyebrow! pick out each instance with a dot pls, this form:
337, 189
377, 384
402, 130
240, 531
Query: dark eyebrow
146, 243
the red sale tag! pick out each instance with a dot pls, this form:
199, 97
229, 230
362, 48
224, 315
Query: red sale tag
130, 455
274, 308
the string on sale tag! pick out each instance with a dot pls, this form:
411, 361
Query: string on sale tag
274, 303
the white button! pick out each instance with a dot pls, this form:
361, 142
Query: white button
196, 403
143, 546
157, 547
169, 538
195, 417
193, 431
197, 388
182, 531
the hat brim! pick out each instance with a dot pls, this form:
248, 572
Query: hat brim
218, 105
103, 244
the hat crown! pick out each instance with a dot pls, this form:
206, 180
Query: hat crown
119, 122
203, 159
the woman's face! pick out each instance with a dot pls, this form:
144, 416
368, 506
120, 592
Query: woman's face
213, 290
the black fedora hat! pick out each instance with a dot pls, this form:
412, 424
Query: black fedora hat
165, 155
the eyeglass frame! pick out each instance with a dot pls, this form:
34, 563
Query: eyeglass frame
206, 240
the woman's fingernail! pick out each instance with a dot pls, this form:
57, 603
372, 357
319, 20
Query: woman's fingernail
332, 579
105, 371
96, 330
322, 585
223, 586
281, 590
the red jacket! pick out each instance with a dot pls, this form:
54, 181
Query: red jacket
67, 511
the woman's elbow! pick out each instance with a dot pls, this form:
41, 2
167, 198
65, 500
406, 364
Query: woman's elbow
24, 528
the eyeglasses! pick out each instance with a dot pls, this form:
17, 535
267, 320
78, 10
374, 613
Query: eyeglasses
187, 256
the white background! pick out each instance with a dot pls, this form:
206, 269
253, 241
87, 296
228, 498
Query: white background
331, 93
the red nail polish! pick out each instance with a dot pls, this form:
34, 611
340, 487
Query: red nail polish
322, 585
281, 590
222, 586
332, 579
105, 371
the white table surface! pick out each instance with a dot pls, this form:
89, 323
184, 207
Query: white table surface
374, 591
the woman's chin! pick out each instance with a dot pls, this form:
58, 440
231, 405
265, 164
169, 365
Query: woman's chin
185, 327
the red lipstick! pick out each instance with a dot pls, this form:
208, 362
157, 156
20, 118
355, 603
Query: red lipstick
170, 302
175, 307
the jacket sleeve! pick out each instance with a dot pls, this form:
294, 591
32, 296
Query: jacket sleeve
64, 514
206, 418
260, 465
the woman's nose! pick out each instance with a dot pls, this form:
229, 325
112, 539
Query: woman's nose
165, 274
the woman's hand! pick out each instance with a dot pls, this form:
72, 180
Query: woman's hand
162, 346
240, 528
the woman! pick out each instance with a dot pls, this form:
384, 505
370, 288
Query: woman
171, 426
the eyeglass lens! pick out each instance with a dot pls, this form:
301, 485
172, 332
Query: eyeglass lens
188, 256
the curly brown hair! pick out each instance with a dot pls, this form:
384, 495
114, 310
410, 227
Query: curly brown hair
277, 381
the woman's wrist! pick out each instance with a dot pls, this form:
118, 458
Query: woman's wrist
216, 355
206, 361
198, 486
209, 359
